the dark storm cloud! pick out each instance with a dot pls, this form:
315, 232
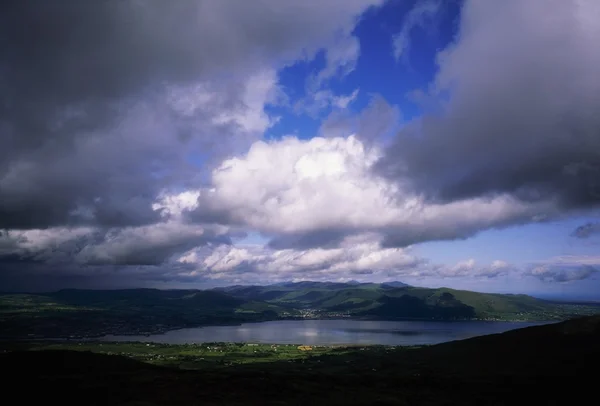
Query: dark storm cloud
87, 134
20, 278
105, 105
586, 230
518, 97
41, 277
450, 228
147, 245
208, 212
67, 52
153, 246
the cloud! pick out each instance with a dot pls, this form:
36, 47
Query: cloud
143, 245
111, 176
468, 268
340, 59
372, 125
245, 112
322, 100
497, 268
150, 245
317, 191
565, 268
93, 127
357, 258
515, 112
179, 254
343, 101
586, 230
42, 247
573, 260
553, 274
137, 155
421, 14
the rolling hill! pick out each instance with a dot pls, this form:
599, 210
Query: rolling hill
89, 313
400, 301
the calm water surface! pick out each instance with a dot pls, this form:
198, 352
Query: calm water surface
328, 332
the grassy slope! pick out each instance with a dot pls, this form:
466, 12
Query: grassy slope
551, 364
501, 306
483, 304
89, 312
141, 311
384, 301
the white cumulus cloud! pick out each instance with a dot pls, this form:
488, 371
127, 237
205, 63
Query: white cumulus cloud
326, 186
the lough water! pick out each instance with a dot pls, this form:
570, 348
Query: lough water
330, 332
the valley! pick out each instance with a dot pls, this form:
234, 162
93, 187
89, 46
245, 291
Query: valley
73, 313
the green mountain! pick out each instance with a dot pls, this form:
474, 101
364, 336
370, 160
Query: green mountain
90, 313
316, 295
555, 364
128, 311
400, 301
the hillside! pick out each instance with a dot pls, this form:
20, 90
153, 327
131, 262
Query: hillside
90, 313
550, 365
129, 311
399, 301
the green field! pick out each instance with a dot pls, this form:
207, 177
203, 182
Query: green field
199, 356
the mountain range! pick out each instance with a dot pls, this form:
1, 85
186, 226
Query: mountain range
88, 313
397, 300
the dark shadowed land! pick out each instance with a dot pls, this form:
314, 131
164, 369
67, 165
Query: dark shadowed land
550, 365
93, 313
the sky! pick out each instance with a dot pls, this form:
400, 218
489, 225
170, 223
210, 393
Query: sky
202, 143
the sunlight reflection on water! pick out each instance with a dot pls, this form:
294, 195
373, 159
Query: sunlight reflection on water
330, 332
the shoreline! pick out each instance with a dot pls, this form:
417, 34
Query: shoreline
98, 337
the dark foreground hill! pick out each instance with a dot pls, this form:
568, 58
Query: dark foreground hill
546, 365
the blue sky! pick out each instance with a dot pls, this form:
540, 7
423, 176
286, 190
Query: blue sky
378, 72
433, 142
518, 244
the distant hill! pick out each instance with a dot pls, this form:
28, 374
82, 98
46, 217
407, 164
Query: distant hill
127, 311
553, 364
394, 284
315, 294
396, 300
88, 313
